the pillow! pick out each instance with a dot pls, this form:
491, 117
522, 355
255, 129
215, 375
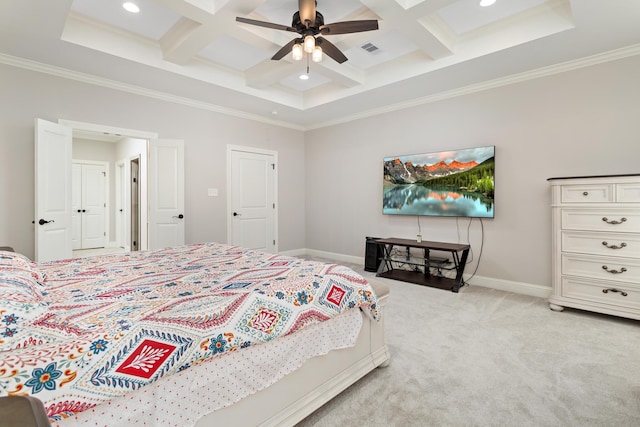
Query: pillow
14, 260
19, 285
16, 319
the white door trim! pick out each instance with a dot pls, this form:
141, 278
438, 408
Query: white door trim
230, 149
93, 127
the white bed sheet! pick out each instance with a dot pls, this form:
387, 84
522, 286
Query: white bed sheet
183, 398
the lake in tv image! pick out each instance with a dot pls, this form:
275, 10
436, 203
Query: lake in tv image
447, 183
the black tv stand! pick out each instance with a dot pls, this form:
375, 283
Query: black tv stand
408, 268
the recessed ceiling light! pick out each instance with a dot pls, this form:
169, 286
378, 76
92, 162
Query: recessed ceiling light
131, 7
485, 3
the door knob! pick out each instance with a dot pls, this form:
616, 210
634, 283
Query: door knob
43, 222
236, 214
179, 216
79, 210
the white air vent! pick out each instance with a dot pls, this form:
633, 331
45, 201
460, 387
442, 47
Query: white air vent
370, 47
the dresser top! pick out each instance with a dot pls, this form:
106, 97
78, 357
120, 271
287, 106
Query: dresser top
593, 176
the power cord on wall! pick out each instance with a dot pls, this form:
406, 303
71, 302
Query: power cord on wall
481, 248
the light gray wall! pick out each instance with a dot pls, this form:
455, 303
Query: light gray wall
27, 95
583, 122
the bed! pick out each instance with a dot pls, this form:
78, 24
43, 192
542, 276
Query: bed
195, 335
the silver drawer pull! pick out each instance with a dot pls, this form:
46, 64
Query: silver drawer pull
623, 293
622, 270
622, 245
605, 219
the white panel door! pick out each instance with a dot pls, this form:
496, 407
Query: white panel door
93, 206
88, 206
253, 200
53, 145
121, 205
76, 206
166, 193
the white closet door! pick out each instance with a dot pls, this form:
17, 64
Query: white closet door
93, 206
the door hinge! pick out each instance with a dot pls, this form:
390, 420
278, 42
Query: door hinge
274, 243
273, 166
104, 174
274, 206
104, 234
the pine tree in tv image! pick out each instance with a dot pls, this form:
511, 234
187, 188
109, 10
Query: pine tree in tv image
448, 183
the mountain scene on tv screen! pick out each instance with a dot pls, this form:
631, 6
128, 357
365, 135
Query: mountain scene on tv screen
449, 183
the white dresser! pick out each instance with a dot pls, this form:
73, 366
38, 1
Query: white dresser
596, 244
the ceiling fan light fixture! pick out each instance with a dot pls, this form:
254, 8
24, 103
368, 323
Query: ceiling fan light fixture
316, 56
487, 3
304, 77
309, 43
296, 52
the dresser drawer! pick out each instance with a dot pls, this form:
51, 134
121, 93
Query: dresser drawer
628, 193
594, 291
611, 244
611, 220
604, 268
587, 193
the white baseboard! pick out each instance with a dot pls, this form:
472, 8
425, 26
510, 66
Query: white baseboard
486, 282
511, 286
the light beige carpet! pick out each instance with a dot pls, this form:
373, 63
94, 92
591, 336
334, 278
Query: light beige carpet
491, 358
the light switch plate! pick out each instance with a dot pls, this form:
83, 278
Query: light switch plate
213, 192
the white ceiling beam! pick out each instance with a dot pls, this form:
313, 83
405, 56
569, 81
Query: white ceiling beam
199, 28
407, 21
268, 73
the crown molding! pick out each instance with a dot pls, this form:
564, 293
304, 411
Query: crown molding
39, 67
589, 61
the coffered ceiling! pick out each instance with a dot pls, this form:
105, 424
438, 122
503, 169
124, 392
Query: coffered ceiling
194, 51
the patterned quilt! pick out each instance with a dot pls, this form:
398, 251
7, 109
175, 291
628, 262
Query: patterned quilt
76, 333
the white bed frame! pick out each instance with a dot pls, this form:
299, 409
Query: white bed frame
319, 380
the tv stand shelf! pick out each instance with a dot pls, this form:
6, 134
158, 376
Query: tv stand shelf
417, 270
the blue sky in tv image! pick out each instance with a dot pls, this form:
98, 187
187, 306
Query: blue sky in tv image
447, 183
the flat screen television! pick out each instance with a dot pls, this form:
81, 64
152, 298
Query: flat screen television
458, 183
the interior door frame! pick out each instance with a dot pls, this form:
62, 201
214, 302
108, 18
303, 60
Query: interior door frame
230, 149
125, 133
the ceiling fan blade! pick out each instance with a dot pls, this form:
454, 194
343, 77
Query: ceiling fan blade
330, 50
265, 24
349, 27
284, 50
307, 10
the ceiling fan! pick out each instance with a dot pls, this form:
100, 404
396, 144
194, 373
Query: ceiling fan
309, 23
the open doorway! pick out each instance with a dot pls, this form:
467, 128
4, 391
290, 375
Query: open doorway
125, 153
160, 189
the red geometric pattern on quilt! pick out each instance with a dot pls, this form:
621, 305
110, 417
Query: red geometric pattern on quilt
118, 322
